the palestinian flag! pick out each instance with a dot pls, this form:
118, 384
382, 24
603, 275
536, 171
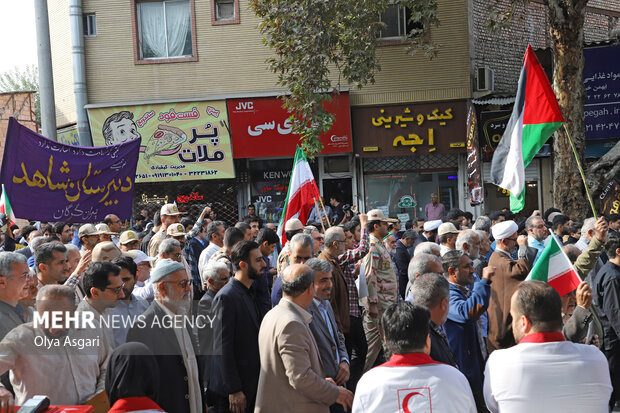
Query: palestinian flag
302, 192
5, 208
554, 268
535, 116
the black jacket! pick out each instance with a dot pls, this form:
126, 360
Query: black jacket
238, 366
173, 393
440, 349
401, 260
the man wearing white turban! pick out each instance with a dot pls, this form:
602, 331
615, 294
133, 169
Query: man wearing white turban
508, 275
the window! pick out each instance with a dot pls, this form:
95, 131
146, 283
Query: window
164, 29
397, 23
90, 25
224, 12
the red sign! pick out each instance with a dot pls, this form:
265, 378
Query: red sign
259, 127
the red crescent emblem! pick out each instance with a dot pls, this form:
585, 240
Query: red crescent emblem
406, 400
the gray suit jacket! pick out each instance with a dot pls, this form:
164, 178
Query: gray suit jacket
576, 328
328, 349
9, 318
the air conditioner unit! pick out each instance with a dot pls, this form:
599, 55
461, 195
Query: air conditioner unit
485, 80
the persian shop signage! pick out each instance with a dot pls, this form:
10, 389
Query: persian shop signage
259, 127
414, 129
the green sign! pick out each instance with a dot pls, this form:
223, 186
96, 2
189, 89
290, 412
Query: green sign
406, 201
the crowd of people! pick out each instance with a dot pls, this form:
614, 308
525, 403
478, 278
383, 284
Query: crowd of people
352, 312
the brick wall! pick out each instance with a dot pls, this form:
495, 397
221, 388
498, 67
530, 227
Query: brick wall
504, 52
19, 105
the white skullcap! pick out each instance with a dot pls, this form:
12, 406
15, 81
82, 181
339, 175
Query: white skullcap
432, 225
504, 229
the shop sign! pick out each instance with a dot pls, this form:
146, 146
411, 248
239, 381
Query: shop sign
406, 201
420, 129
184, 199
179, 141
68, 136
260, 127
610, 198
601, 79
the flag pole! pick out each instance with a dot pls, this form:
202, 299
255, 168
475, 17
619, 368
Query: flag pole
316, 205
324, 212
583, 177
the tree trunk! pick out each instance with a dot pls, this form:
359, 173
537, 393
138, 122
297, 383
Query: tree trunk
566, 20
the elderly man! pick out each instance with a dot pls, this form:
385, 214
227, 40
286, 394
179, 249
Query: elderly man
382, 284
15, 283
509, 273
421, 263
66, 373
169, 215
215, 237
485, 247
215, 276
544, 373
329, 339
292, 378
292, 227
234, 373
300, 248
434, 210
402, 258
180, 387
143, 287
467, 305
432, 291
411, 378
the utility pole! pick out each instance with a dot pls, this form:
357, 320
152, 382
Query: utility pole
46, 80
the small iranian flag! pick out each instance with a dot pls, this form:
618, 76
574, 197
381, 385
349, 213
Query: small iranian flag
302, 192
535, 116
554, 268
5, 207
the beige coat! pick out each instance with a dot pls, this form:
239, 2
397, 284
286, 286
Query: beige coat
291, 376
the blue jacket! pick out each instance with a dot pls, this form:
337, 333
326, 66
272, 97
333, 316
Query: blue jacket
462, 330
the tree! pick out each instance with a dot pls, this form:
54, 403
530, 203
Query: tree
24, 79
311, 38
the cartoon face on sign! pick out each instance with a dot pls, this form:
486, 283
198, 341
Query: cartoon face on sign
414, 400
119, 128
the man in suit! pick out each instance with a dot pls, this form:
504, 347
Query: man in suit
508, 275
432, 290
180, 386
402, 258
329, 339
234, 372
292, 378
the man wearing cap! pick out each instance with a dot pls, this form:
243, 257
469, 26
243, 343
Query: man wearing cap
382, 284
89, 237
169, 215
508, 275
430, 231
105, 234
143, 287
434, 210
129, 241
447, 237
293, 226
174, 347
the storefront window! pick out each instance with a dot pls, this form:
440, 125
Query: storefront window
269, 185
404, 195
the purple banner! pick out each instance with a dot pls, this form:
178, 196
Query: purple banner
49, 181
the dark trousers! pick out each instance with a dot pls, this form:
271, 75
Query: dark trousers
613, 357
357, 348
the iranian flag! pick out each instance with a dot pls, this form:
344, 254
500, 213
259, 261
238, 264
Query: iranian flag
302, 192
5, 208
554, 268
535, 116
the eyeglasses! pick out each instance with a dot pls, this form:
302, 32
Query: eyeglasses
319, 239
183, 283
512, 239
116, 290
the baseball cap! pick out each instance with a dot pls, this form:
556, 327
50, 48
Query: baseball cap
293, 224
105, 251
447, 228
138, 256
128, 236
105, 229
87, 229
378, 215
169, 209
176, 230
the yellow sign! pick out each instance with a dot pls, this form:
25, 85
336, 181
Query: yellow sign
371, 148
179, 141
